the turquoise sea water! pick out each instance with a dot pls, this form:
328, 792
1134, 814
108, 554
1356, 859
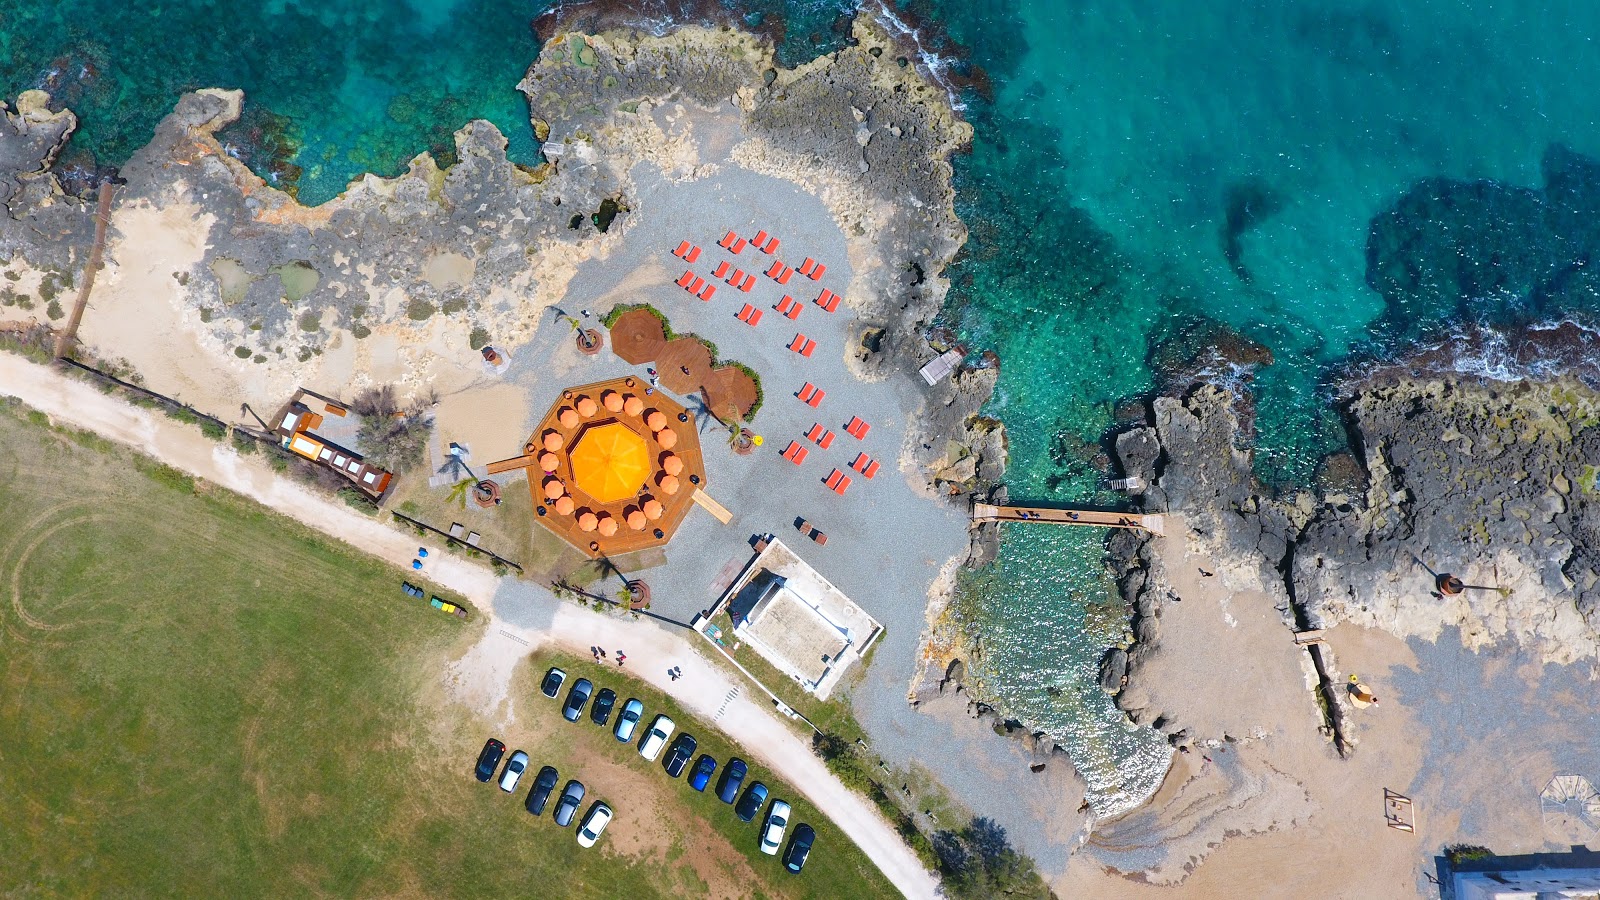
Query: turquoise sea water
1142, 173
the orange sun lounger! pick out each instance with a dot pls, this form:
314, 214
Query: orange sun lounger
685, 279
865, 464
803, 345
837, 482
807, 266
822, 438
749, 315
795, 453
811, 395
722, 269
857, 428
707, 292
770, 247
816, 274
727, 241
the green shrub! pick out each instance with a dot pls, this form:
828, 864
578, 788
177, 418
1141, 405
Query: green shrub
54, 310
420, 310
479, 338
359, 331
310, 321
245, 444
453, 305
212, 430
242, 352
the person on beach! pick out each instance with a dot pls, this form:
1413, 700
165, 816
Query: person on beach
620, 657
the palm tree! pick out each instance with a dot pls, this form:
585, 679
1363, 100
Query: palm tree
458, 492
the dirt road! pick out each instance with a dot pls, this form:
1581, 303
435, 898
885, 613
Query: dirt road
483, 675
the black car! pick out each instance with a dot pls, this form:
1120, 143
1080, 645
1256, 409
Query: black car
567, 806
794, 858
679, 755
754, 798
576, 698
553, 680
489, 759
542, 786
732, 778
600, 714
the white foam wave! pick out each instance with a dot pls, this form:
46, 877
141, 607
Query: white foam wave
933, 66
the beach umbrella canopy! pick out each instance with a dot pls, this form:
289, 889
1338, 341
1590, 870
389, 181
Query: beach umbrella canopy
612, 401
668, 484
655, 420
635, 518
568, 417
553, 488
553, 440
610, 462
671, 464
632, 405
588, 521
667, 438
564, 505
607, 526
548, 461
587, 407
653, 509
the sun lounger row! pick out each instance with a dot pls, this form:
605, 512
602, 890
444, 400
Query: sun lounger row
838, 482
687, 252
749, 315
696, 285
865, 464
812, 269
820, 436
765, 243
857, 428
789, 306
732, 243
811, 395
779, 272
828, 300
795, 453
803, 345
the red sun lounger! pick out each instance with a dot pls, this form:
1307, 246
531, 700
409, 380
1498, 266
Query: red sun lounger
722, 269
816, 399
807, 392
838, 482
738, 246
794, 307
774, 270
748, 283
829, 301
865, 464
685, 278
798, 344
857, 428
785, 275
683, 250
816, 274
749, 315
783, 306
820, 436
696, 285
727, 241
732, 279
770, 247
760, 238
807, 350
707, 292
694, 254
807, 266
795, 453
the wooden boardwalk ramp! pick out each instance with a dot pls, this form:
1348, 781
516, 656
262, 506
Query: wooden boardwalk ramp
988, 512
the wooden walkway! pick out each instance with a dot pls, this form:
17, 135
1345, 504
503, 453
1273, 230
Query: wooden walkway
711, 506
988, 512
102, 218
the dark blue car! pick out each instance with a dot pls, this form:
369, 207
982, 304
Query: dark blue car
754, 798
489, 759
700, 775
732, 779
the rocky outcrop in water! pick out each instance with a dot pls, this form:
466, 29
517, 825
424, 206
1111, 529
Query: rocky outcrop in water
53, 227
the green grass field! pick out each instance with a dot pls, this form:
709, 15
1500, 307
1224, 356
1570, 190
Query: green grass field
200, 698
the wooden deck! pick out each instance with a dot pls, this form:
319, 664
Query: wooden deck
988, 512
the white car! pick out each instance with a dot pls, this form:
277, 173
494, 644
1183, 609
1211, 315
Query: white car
594, 825
772, 832
513, 773
656, 738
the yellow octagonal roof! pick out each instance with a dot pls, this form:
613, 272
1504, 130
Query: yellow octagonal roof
610, 462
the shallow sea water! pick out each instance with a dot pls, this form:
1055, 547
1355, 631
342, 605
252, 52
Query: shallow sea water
1138, 168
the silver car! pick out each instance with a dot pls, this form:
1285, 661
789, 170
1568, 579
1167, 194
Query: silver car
772, 832
628, 720
515, 766
650, 745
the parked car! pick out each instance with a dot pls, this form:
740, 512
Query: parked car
594, 824
732, 778
567, 806
553, 680
543, 785
576, 698
794, 858
656, 737
489, 759
682, 751
772, 832
755, 797
628, 720
700, 775
600, 713
515, 766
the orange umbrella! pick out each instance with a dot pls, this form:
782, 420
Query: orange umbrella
671, 464
608, 526
635, 518
553, 488
632, 405
564, 505
549, 461
586, 406
612, 401
553, 440
668, 484
667, 438
655, 420
653, 509
587, 521
568, 417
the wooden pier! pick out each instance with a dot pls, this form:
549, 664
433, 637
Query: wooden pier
988, 512
102, 218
